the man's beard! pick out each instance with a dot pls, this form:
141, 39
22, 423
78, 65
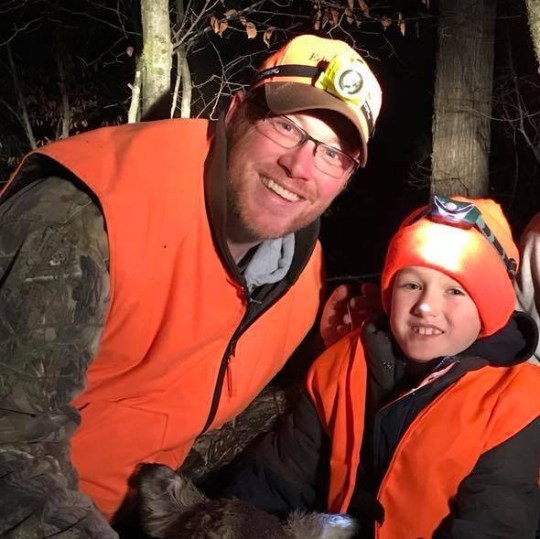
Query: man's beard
239, 225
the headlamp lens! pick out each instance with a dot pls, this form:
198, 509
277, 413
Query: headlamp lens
454, 212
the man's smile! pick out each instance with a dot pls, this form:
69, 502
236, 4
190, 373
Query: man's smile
279, 190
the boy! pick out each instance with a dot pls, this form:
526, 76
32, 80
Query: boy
426, 423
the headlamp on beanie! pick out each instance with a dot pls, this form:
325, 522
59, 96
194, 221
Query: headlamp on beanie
466, 215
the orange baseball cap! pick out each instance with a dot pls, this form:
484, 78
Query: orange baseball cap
312, 72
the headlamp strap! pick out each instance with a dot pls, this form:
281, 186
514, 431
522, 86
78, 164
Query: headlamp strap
290, 70
510, 263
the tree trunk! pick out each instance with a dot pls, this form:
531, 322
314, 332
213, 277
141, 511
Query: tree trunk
157, 52
533, 12
463, 91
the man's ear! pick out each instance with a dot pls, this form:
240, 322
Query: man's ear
237, 99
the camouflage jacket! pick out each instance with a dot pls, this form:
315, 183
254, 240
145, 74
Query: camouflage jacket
54, 290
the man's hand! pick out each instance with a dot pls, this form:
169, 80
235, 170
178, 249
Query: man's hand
343, 312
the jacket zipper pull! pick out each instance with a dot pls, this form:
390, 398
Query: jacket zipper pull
231, 379
232, 389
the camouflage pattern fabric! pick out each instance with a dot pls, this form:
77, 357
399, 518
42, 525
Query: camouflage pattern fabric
54, 290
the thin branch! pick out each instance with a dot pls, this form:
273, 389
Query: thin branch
89, 16
25, 120
187, 87
65, 120
176, 84
133, 112
17, 31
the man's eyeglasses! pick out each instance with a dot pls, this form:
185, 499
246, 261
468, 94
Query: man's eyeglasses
466, 215
288, 134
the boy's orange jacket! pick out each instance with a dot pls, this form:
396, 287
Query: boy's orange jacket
440, 448
173, 344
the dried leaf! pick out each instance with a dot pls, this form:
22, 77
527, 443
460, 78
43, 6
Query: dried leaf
243, 20
218, 25
251, 30
350, 4
364, 8
349, 15
426, 3
130, 50
401, 24
223, 25
334, 14
386, 22
230, 13
267, 35
214, 23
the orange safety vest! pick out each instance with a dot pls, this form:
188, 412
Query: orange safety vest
440, 448
174, 308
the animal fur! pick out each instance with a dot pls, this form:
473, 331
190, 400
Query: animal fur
173, 508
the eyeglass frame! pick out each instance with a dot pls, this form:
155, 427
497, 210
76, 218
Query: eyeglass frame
307, 137
461, 214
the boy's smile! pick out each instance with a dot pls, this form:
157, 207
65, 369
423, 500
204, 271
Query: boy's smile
431, 314
427, 330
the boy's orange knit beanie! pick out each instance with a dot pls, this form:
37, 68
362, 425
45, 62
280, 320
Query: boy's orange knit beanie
464, 254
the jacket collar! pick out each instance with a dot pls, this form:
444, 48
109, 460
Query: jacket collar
513, 344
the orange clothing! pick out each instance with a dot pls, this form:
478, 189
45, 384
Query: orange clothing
176, 331
481, 410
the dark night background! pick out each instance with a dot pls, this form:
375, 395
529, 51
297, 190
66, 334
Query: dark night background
92, 42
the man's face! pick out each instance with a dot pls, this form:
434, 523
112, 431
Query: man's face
272, 190
431, 314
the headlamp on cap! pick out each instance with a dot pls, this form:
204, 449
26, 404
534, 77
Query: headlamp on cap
294, 76
344, 78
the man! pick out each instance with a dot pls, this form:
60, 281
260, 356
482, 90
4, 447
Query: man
155, 277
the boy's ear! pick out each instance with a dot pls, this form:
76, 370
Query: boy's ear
237, 99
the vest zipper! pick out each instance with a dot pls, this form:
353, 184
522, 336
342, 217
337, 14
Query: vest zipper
225, 367
245, 323
399, 445
448, 362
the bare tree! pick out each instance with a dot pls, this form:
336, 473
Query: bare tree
463, 97
533, 11
203, 31
212, 48
156, 59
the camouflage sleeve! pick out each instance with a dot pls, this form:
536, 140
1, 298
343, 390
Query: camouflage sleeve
54, 290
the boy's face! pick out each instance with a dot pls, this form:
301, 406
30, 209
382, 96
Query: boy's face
431, 314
